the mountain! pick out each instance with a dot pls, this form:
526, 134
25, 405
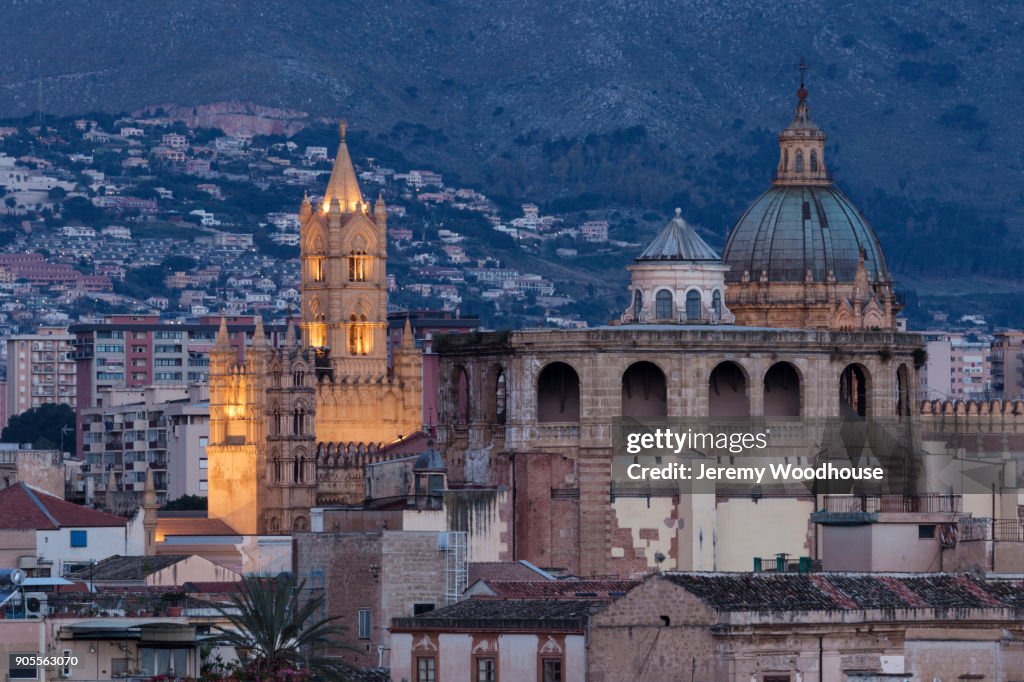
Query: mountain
594, 103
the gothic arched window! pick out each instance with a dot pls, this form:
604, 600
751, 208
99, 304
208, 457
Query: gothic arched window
814, 161
663, 305
299, 421
799, 161
358, 264
692, 304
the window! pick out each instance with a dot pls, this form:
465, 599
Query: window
551, 669
638, 304
716, 304
486, 669
692, 304
814, 161
316, 267
357, 266
799, 161
22, 672
65, 670
364, 624
421, 608
204, 463
426, 669
204, 441
80, 538
204, 485
663, 305
926, 532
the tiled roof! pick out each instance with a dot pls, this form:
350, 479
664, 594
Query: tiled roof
126, 567
505, 614
501, 570
560, 589
192, 526
677, 241
25, 508
846, 591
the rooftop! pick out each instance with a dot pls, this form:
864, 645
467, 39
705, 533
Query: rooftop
126, 568
25, 508
846, 591
677, 241
505, 614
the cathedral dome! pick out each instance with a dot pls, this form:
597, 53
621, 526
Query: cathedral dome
793, 230
803, 229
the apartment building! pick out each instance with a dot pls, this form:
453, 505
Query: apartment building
40, 369
1007, 360
162, 428
133, 351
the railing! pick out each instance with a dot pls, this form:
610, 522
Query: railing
781, 563
1008, 530
888, 504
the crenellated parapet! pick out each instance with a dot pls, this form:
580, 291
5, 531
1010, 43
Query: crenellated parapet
967, 408
353, 455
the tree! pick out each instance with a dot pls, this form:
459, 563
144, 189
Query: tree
42, 426
186, 503
275, 629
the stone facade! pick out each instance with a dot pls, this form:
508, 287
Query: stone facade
293, 427
385, 572
535, 410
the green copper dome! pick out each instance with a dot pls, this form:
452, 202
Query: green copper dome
791, 230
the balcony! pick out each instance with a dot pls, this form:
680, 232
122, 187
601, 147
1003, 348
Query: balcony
860, 509
781, 563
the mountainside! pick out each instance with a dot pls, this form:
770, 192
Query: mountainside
587, 104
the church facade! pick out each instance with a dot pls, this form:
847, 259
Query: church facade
796, 319
292, 427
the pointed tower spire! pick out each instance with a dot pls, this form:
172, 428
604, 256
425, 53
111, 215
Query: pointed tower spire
223, 340
343, 185
289, 332
259, 337
408, 340
380, 211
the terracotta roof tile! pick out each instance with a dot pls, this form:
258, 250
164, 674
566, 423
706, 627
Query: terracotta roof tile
26, 508
501, 570
192, 526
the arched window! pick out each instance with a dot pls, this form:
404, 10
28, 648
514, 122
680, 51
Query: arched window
298, 378
785, 160
316, 268
500, 398
460, 395
359, 339
854, 392
275, 421
727, 391
692, 304
799, 161
299, 421
663, 305
558, 394
298, 473
782, 391
357, 266
638, 304
716, 304
814, 161
644, 392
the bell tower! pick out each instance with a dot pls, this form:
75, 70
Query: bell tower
343, 249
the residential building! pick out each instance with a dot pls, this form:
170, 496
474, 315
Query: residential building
51, 536
594, 231
1007, 362
159, 428
41, 469
40, 369
140, 350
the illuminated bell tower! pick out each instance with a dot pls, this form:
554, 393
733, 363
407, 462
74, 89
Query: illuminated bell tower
343, 249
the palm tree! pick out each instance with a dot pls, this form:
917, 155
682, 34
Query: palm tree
275, 630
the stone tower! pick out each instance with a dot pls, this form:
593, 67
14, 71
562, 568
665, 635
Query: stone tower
328, 387
343, 248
